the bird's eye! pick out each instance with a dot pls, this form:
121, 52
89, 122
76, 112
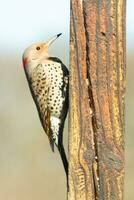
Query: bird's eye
38, 48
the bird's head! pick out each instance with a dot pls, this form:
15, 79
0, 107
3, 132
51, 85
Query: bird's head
36, 52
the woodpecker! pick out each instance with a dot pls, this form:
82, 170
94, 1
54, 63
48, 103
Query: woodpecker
48, 81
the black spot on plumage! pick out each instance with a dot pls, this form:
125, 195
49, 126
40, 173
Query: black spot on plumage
43, 79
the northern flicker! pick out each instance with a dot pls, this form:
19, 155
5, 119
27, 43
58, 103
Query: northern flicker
47, 77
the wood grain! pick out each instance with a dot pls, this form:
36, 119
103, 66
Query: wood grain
97, 88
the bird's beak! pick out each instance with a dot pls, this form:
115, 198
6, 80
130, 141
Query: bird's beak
52, 39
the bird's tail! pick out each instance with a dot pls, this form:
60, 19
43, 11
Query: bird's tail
57, 139
64, 159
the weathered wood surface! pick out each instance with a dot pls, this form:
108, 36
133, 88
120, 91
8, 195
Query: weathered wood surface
97, 84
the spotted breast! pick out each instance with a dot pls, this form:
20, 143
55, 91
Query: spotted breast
49, 85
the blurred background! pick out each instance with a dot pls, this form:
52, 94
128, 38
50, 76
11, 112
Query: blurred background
28, 168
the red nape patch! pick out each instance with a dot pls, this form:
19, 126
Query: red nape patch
25, 62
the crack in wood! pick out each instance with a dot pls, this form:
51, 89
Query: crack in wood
95, 165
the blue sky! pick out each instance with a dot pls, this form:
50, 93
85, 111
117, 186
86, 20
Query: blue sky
27, 21
130, 24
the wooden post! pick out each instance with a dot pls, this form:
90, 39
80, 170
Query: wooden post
97, 87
